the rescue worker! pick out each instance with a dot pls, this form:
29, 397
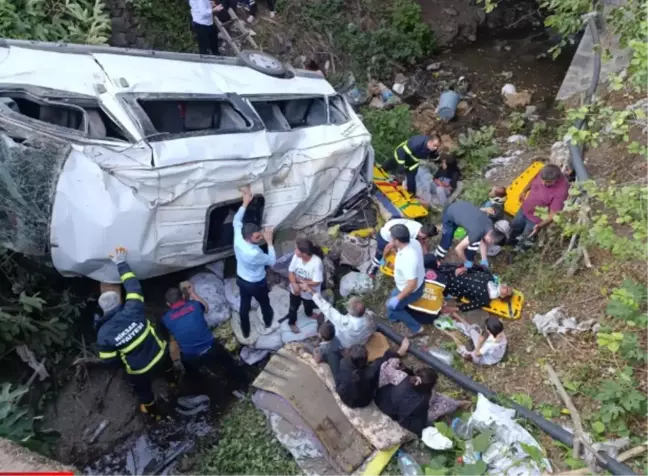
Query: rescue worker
409, 154
125, 334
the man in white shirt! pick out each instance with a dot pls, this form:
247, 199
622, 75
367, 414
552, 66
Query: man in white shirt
409, 276
352, 328
384, 246
202, 22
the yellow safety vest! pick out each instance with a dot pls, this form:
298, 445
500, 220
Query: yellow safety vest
415, 161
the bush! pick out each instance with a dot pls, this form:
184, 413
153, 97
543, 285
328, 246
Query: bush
74, 21
476, 149
388, 128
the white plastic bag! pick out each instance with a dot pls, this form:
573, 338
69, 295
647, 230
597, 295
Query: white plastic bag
435, 440
212, 290
233, 295
355, 283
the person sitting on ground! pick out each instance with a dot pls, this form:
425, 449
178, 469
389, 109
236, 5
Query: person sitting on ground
251, 264
353, 328
409, 277
477, 285
326, 332
306, 270
445, 179
494, 206
549, 189
419, 232
407, 396
185, 321
409, 154
479, 230
484, 348
355, 379
125, 335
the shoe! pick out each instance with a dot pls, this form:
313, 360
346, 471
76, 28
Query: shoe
273, 14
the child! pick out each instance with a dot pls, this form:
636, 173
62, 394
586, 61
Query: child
494, 206
489, 347
327, 334
445, 179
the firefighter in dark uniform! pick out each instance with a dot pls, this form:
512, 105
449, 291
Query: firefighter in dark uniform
409, 154
124, 334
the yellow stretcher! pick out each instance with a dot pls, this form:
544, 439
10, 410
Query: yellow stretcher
395, 198
432, 300
512, 204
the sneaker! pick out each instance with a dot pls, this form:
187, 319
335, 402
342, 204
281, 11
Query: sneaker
273, 14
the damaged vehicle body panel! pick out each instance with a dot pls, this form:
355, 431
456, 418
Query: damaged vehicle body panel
148, 150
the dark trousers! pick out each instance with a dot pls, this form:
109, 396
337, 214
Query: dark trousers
295, 302
254, 7
391, 164
258, 291
207, 37
449, 228
142, 384
215, 359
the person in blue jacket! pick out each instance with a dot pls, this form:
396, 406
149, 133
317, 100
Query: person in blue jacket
409, 154
185, 321
125, 335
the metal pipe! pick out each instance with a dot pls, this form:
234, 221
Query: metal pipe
556, 432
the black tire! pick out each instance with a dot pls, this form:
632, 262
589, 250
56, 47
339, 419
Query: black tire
263, 63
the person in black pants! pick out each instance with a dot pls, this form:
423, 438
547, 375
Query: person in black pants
306, 273
202, 23
207, 37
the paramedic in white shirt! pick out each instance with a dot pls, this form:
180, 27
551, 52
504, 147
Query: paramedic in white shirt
354, 328
202, 22
251, 264
306, 271
409, 275
417, 232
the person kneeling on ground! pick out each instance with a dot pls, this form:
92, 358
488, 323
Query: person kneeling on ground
185, 321
306, 270
407, 396
478, 285
353, 328
419, 232
355, 379
445, 179
125, 335
494, 206
409, 276
484, 348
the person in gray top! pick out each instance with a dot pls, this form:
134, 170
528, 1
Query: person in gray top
479, 230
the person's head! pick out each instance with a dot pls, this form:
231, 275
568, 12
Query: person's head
109, 301
424, 379
358, 356
497, 192
426, 232
172, 296
449, 162
550, 174
252, 233
505, 292
305, 249
433, 143
400, 236
495, 237
355, 307
327, 331
494, 326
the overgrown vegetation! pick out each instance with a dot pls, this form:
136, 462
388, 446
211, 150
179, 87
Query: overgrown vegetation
247, 446
388, 129
476, 148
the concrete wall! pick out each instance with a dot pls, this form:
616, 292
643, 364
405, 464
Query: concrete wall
579, 76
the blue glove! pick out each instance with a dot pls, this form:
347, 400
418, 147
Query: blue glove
484, 263
382, 262
392, 302
468, 264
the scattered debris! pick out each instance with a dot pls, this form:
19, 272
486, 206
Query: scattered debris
434, 66
507, 75
556, 321
355, 283
399, 84
448, 105
560, 155
516, 100
435, 440
517, 138
97, 433
463, 108
450, 11
507, 89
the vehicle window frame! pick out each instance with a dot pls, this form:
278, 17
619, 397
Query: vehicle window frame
153, 135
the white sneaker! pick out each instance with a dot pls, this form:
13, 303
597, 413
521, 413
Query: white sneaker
273, 14
250, 19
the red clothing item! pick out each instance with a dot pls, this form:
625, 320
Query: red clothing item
542, 196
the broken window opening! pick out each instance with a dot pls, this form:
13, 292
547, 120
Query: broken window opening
287, 114
338, 110
181, 117
220, 228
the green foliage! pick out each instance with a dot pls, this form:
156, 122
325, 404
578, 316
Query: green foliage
482, 441
246, 446
523, 399
74, 21
476, 191
476, 148
611, 341
534, 452
397, 37
517, 122
629, 22
632, 350
539, 133
628, 303
165, 24
620, 400
565, 17
388, 128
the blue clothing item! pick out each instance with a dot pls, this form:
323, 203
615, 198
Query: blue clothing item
250, 258
400, 312
520, 226
125, 334
418, 147
185, 321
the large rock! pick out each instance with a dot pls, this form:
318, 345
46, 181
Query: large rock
17, 459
